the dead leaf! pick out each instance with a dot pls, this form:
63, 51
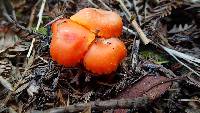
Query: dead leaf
150, 86
7, 38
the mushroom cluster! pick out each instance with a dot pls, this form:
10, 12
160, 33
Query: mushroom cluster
89, 36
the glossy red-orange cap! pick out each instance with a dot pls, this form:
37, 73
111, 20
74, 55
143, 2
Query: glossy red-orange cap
105, 24
104, 56
69, 43
54, 26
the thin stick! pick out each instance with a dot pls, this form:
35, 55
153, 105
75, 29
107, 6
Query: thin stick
182, 55
92, 3
40, 14
125, 9
45, 61
31, 19
57, 18
129, 30
37, 27
31, 48
141, 34
173, 53
108, 8
136, 11
135, 50
103, 105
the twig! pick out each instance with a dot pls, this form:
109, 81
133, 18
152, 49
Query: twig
33, 14
128, 3
145, 9
7, 98
106, 6
182, 55
6, 83
40, 14
31, 48
37, 27
135, 49
17, 28
8, 8
5, 12
176, 54
45, 61
103, 105
142, 36
125, 9
92, 3
136, 12
167, 72
129, 30
57, 18
189, 100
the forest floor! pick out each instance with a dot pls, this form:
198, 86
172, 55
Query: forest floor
160, 74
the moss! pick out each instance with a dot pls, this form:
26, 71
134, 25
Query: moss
154, 56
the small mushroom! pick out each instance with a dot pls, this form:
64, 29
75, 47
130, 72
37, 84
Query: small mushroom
105, 24
69, 43
74, 40
104, 56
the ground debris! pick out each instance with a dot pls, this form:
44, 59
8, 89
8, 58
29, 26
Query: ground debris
148, 80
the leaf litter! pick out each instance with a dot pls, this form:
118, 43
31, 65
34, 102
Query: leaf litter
37, 83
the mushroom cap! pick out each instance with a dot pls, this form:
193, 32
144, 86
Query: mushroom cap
54, 26
105, 24
104, 56
69, 43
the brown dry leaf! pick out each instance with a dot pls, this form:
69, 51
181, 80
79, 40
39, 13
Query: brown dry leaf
7, 38
150, 86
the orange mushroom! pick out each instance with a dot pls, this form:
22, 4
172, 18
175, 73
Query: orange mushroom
104, 56
105, 24
54, 26
69, 43
72, 41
